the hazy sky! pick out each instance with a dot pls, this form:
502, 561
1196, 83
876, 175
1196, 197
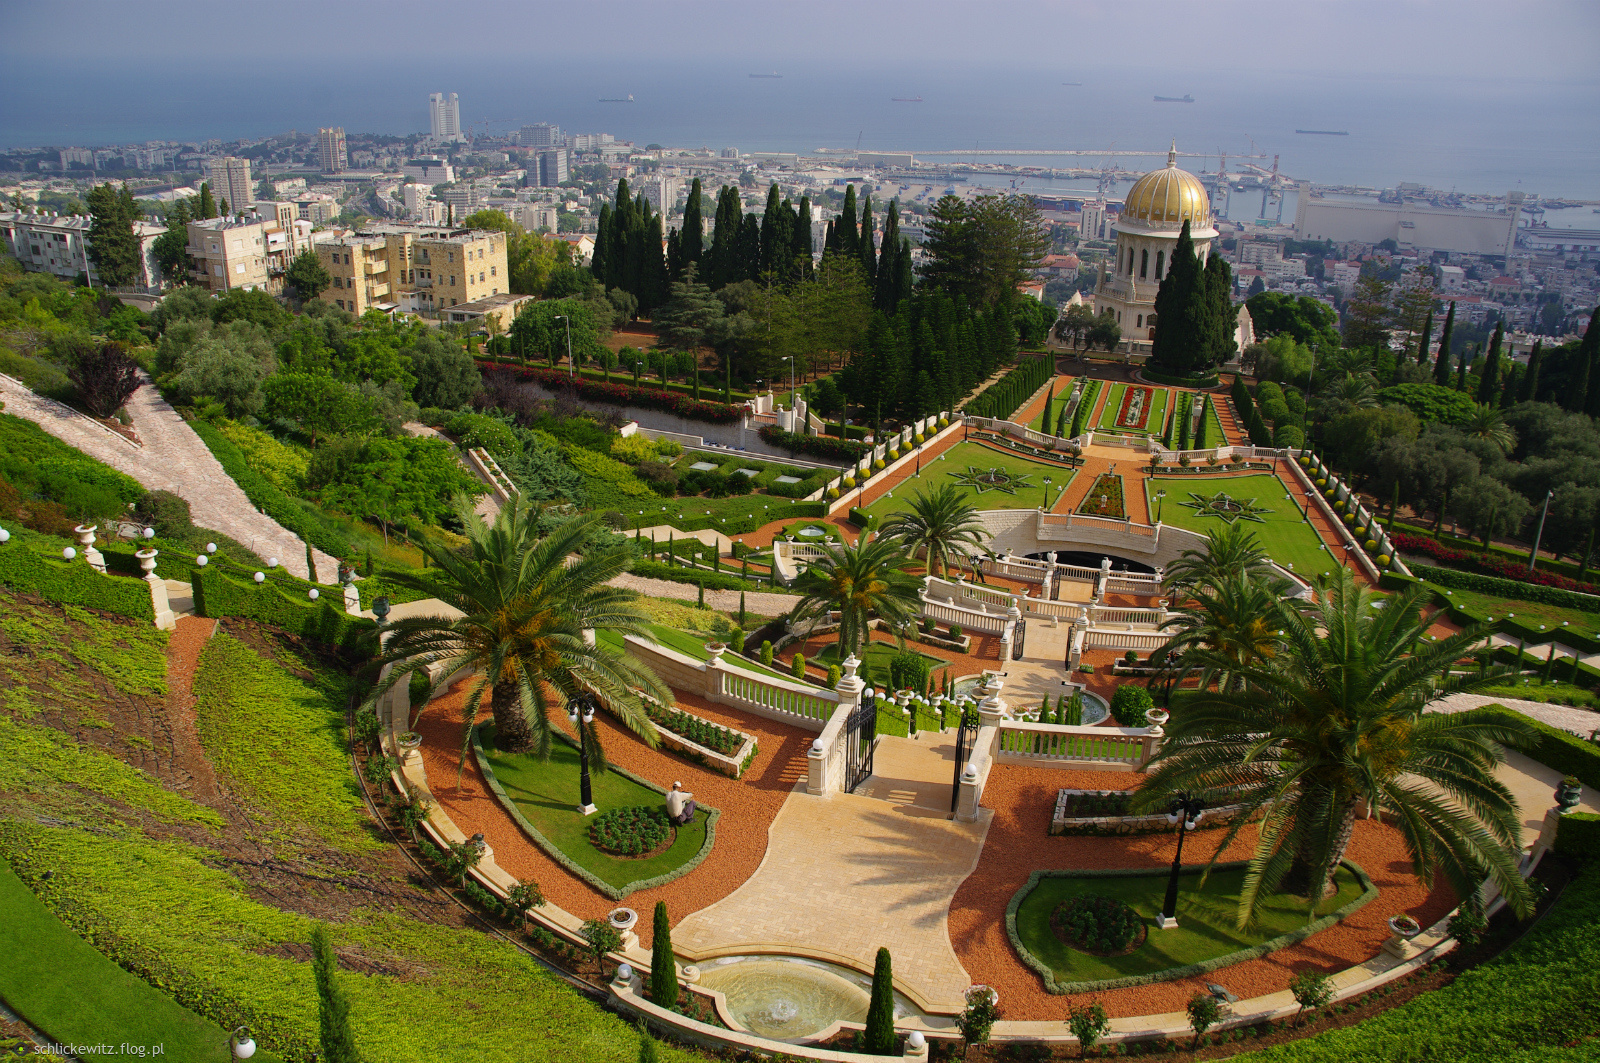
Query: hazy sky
1551, 41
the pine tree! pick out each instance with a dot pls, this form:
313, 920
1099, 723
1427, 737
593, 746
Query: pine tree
113, 247
844, 227
338, 1044
1489, 382
800, 241
771, 232
663, 965
1441, 367
884, 295
691, 237
1589, 358
869, 252
1427, 334
1530, 379
208, 205
878, 1038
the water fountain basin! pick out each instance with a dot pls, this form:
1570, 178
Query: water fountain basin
789, 998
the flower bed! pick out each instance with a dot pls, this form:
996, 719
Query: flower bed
1101, 925
631, 831
1488, 564
702, 732
1104, 498
1135, 412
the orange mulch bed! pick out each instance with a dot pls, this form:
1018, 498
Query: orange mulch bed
748, 806
1023, 799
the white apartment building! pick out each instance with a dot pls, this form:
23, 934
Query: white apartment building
541, 135
1343, 274
538, 217
429, 170
225, 254
230, 180
661, 192
84, 156
1452, 278
59, 245
444, 118
1095, 221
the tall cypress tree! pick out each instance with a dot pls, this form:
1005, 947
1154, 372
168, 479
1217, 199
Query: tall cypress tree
746, 263
883, 296
1181, 311
1221, 319
333, 1010
1589, 357
800, 241
113, 248
1427, 334
663, 965
724, 235
600, 258
1441, 367
692, 235
771, 225
1489, 382
878, 1038
1508, 394
1529, 392
208, 205
1467, 358
844, 227
869, 253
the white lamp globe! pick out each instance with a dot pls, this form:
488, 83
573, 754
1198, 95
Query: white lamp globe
149, 533
211, 548
313, 594
5, 536
260, 576
69, 553
272, 562
201, 560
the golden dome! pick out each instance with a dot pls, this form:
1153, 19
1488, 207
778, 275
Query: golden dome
1166, 197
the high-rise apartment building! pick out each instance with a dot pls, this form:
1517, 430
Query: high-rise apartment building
541, 135
444, 116
230, 180
331, 153
551, 166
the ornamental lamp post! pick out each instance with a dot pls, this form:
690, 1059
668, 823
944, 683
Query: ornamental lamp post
581, 712
1047, 494
1161, 496
1186, 810
241, 1044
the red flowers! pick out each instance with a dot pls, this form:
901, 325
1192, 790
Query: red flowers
1488, 564
1140, 417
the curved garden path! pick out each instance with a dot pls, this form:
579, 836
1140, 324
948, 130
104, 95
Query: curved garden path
173, 458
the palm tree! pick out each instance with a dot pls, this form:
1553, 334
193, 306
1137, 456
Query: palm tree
858, 581
1230, 551
1485, 422
1353, 391
1231, 618
525, 605
1335, 719
939, 521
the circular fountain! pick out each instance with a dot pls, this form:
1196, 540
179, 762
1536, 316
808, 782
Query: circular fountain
788, 998
1095, 708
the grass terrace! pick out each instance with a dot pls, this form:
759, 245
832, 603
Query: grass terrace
545, 792
1046, 421
1277, 520
1205, 916
688, 643
1153, 419
874, 659
1022, 486
1531, 613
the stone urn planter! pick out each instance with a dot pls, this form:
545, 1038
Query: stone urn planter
409, 741
623, 920
1568, 793
715, 650
1404, 926
147, 560
1400, 945
1157, 717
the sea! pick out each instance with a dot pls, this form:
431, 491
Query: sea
1470, 133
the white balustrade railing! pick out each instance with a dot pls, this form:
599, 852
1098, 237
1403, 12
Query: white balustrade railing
1130, 616
774, 696
1119, 748
969, 619
1023, 569
1079, 575
1063, 610
1126, 584
1107, 639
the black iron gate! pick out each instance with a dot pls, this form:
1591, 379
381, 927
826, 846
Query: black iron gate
1019, 638
860, 739
964, 738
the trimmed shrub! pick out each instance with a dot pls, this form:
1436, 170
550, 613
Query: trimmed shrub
766, 652
32, 563
1129, 703
167, 513
797, 667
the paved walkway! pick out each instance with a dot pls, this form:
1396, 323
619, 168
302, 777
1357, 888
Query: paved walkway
763, 603
1580, 722
848, 874
174, 459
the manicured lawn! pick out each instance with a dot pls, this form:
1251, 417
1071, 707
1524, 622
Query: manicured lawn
734, 515
1531, 613
546, 792
61, 985
1153, 424
1214, 436
1205, 921
952, 465
1282, 531
1046, 421
875, 662
686, 643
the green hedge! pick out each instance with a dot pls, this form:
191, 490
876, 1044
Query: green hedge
1537, 1001
1578, 836
298, 516
1392, 581
1001, 399
217, 594
1507, 588
857, 517
1177, 380
715, 581
32, 563
1561, 750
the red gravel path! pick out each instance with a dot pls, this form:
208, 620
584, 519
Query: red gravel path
1023, 799
748, 806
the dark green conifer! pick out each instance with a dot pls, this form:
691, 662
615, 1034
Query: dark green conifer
338, 1044
692, 237
1427, 334
1441, 367
844, 227
879, 1038
1589, 361
869, 251
1529, 392
1489, 381
663, 965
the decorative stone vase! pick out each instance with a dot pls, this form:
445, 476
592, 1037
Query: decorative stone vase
409, 741
147, 560
715, 650
1568, 793
622, 919
1157, 718
85, 533
1404, 926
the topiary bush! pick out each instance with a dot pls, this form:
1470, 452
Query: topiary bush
797, 667
766, 653
956, 631
167, 513
1129, 703
1097, 924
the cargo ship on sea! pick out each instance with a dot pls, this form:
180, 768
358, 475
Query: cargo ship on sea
617, 99
905, 99
774, 74
1325, 132
1185, 98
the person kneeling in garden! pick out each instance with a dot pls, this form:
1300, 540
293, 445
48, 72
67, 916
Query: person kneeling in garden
680, 804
